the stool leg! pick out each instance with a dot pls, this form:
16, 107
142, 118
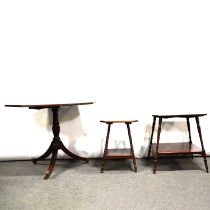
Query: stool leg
201, 140
106, 148
131, 145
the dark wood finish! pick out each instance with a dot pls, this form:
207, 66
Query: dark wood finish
176, 148
179, 115
56, 143
151, 138
105, 148
185, 148
188, 128
201, 140
118, 153
189, 132
118, 121
44, 106
157, 146
131, 145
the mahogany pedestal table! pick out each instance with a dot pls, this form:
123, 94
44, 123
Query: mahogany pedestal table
56, 143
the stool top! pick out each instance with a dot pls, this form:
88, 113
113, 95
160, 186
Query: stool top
118, 121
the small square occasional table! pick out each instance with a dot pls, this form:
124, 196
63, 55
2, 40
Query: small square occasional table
176, 148
56, 143
118, 153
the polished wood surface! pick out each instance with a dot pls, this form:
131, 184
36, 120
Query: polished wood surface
187, 148
176, 148
56, 143
43, 106
118, 121
179, 115
118, 153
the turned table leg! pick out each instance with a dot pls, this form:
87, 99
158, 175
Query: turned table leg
201, 140
105, 148
151, 137
157, 146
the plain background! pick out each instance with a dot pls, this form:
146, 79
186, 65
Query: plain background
134, 58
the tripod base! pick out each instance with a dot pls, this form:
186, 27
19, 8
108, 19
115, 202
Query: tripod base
55, 145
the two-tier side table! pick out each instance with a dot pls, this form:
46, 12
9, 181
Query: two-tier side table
118, 153
185, 148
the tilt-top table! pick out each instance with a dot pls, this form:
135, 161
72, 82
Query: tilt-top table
176, 148
56, 143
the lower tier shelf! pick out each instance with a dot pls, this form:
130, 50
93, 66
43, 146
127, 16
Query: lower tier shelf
119, 154
176, 148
